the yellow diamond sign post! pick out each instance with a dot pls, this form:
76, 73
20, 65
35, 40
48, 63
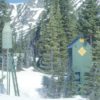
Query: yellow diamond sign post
82, 51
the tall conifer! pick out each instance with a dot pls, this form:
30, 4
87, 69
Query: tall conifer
88, 25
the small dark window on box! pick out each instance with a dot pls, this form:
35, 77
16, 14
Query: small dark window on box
77, 76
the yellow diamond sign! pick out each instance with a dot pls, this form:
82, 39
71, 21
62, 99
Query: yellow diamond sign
82, 51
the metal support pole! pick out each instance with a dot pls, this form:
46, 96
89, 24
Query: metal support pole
8, 73
2, 66
14, 78
51, 58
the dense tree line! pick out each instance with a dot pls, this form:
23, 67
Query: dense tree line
58, 29
60, 24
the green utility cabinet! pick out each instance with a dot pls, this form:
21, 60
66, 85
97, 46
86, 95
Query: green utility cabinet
80, 58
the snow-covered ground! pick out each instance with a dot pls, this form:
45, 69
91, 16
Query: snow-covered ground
5, 97
30, 82
30, 87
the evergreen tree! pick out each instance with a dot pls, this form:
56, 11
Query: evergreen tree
57, 44
52, 44
88, 25
58, 38
42, 43
68, 19
96, 67
88, 17
69, 23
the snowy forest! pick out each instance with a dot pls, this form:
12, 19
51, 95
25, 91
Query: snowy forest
47, 34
